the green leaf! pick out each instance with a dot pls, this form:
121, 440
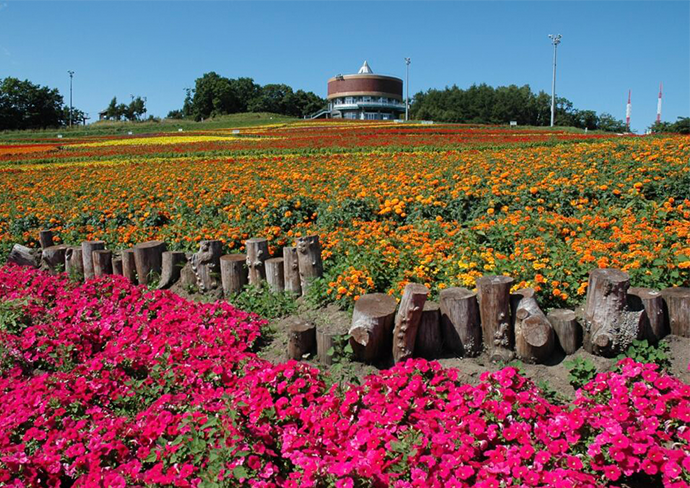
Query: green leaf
240, 472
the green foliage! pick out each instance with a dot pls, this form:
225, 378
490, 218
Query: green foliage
13, 318
644, 352
264, 302
551, 394
119, 111
581, 371
24, 105
681, 126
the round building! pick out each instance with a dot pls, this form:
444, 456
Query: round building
365, 96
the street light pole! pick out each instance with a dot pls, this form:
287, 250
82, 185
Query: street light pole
555, 40
407, 89
71, 75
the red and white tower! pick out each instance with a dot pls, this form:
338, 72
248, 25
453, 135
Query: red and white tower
658, 105
627, 111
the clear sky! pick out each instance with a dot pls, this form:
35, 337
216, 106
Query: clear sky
156, 49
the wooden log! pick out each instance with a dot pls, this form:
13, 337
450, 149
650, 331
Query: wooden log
309, 259
148, 259
117, 266
54, 257
677, 300
257, 254
534, 336
102, 262
301, 339
24, 256
493, 295
609, 327
87, 249
206, 265
129, 267
233, 273
171, 264
372, 324
45, 237
329, 337
429, 342
291, 270
460, 326
567, 328
274, 274
407, 320
654, 320
74, 263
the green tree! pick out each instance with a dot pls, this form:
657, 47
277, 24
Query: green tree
681, 126
24, 105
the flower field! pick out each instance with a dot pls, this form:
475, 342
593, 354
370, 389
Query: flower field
108, 384
392, 203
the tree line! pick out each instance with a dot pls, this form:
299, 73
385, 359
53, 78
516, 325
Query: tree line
483, 104
215, 95
119, 111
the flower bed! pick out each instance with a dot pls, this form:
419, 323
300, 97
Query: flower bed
104, 383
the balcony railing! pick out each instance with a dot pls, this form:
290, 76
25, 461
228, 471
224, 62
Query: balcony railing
372, 103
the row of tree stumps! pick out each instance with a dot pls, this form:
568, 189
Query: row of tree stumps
511, 325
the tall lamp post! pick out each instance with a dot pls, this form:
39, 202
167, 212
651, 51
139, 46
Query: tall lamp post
407, 89
71, 75
555, 40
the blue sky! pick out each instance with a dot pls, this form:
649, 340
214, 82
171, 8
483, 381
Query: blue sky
156, 49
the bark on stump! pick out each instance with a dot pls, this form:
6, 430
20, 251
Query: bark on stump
291, 270
301, 339
45, 237
372, 323
654, 320
54, 256
677, 301
171, 264
117, 266
610, 327
87, 249
309, 259
129, 267
233, 273
329, 336
74, 263
567, 328
102, 262
534, 336
493, 295
429, 342
24, 256
407, 320
148, 258
257, 254
274, 274
206, 265
460, 326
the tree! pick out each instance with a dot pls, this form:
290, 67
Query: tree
609, 123
681, 126
24, 105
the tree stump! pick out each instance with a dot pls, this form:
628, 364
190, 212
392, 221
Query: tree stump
460, 326
233, 273
329, 336
148, 258
429, 342
567, 328
74, 263
301, 339
291, 270
274, 274
87, 249
493, 295
407, 320
206, 265
45, 237
654, 321
24, 256
257, 253
171, 264
677, 301
102, 262
610, 327
54, 257
129, 267
117, 266
534, 336
372, 324
309, 258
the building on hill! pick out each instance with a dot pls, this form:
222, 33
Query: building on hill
365, 96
